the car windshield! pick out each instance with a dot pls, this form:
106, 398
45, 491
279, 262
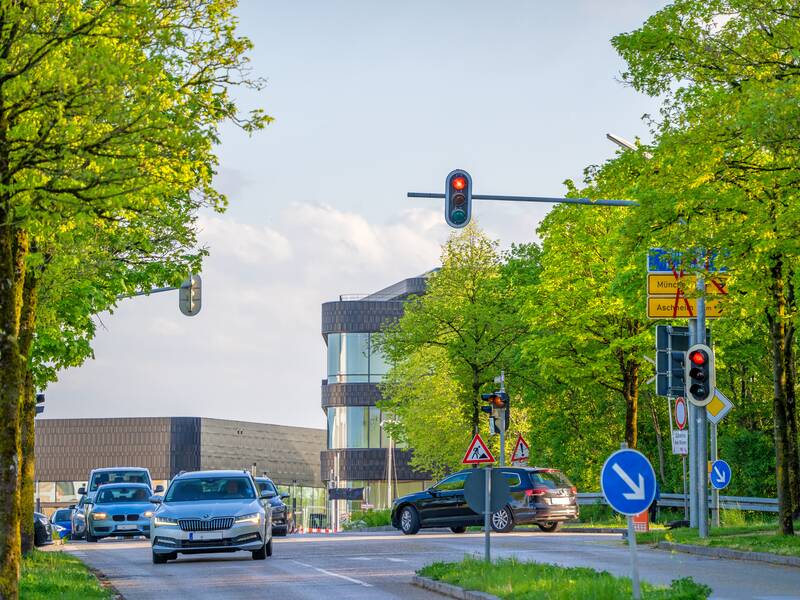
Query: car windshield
61, 515
134, 493
267, 486
551, 479
121, 476
200, 489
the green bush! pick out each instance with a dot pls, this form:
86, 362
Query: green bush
368, 518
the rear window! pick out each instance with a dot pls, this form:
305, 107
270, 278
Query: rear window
61, 515
550, 479
121, 476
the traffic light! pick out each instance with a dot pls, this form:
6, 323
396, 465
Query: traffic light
500, 408
189, 296
458, 198
39, 404
700, 376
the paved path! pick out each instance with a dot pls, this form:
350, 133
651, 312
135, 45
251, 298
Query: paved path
378, 566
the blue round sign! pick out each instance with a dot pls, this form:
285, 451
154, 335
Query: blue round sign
628, 482
720, 474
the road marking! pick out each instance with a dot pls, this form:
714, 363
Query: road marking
396, 559
360, 558
332, 574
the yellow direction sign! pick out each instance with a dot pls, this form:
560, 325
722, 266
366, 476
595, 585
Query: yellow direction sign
664, 284
672, 307
718, 407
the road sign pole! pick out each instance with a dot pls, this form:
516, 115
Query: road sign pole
685, 499
702, 422
692, 443
634, 562
486, 515
503, 441
714, 490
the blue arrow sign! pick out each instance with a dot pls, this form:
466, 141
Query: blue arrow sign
628, 482
720, 474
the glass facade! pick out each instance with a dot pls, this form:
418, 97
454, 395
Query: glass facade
354, 358
356, 427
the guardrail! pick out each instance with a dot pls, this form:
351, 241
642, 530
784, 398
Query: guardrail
677, 501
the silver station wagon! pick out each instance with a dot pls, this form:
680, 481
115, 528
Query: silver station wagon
211, 511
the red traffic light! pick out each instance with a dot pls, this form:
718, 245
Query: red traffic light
459, 183
698, 357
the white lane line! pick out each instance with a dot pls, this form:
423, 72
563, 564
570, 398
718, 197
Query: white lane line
396, 559
360, 558
330, 573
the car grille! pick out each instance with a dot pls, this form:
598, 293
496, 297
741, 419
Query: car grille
123, 517
205, 524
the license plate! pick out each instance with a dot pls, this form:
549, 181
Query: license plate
127, 527
205, 535
560, 501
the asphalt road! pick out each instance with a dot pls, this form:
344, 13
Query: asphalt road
378, 566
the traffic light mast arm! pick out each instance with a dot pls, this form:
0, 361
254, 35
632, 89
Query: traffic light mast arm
584, 201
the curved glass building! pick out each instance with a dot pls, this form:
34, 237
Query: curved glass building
359, 453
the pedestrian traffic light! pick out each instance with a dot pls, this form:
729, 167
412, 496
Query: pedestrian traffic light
458, 198
39, 404
700, 376
189, 295
500, 408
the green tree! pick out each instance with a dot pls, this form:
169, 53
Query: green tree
724, 171
457, 337
109, 113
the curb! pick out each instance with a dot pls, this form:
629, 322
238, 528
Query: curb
593, 530
766, 557
446, 589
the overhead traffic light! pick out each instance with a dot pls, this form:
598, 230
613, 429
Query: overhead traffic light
700, 375
39, 404
189, 296
458, 198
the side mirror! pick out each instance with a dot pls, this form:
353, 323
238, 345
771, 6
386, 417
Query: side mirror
432, 492
267, 495
72, 507
154, 499
82, 491
159, 488
284, 496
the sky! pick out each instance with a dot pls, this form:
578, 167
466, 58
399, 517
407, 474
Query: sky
371, 100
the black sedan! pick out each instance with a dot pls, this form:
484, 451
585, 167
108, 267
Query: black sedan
280, 512
42, 530
541, 496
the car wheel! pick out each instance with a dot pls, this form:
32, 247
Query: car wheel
269, 547
409, 520
550, 526
281, 531
503, 520
458, 529
261, 553
160, 559
90, 537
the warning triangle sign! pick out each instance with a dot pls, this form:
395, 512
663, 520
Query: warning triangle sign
478, 452
522, 451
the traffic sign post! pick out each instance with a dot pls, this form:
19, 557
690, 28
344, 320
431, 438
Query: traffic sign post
478, 453
628, 483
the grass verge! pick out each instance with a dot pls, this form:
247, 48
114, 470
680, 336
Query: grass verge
510, 578
752, 538
48, 575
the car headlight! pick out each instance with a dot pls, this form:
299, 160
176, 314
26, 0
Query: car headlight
147, 514
254, 518
99, 516
165, 521
42, 520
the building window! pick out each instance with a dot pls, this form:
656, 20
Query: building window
355, 427
354, 358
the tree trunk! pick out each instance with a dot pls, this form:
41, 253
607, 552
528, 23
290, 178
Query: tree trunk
27, 412
791, 399
13, 250
783, 446
630, 387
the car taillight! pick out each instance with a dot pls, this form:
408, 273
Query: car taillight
573, 489
536, 492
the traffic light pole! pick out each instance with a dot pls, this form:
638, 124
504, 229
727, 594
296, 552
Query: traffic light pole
702, 422
693, 506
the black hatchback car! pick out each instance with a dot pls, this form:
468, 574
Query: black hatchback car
280, 512
538, 495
